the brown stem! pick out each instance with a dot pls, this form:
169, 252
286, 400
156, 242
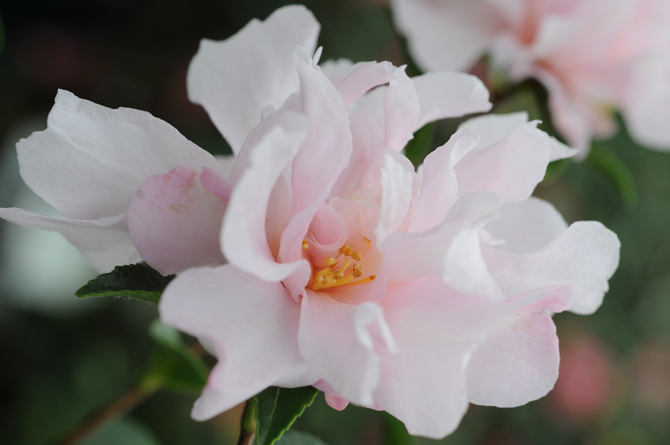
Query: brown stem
123, 405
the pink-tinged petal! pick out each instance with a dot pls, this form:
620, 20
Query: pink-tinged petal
175, 222
583, 257
367, 128
494, 128
439, 186
360, 78
332, 398
321, 159
105, 243
527, 226
558, 150
444, 94
341, 343
448, 35
647, 110
327, 148
235, 78
510, 168
251, 324
243, 237
226, 163
436, 328
518, 362
398, 182
91, 160
430, 254
401, 111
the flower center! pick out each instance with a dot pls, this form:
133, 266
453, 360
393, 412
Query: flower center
349, 271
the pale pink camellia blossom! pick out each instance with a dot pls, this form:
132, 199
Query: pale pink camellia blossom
92, 163
415, 292
593, 56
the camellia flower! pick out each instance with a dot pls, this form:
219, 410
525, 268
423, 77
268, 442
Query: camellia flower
593, 56
98, 168
411, 292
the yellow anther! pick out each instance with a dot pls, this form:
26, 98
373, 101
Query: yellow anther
337, 274
357, 271
346, 250
305, 246
356, 256
368, 241
372, 277
330, 262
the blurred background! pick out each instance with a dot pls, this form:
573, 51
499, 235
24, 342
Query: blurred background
64, 359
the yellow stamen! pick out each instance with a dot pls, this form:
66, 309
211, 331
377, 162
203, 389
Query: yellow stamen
330, 262
337, 274
305, 246
368, 241
355, 255
357, 271
346, 250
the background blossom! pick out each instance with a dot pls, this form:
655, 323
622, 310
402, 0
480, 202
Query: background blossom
593, 56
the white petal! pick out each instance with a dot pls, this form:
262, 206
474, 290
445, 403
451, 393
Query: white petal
235, 78
91, 160
445, 94
436, 329
527, 226
518, 362
105, 243
252, 325
243, 237
397, 180
338, 342
583, 257
446, 35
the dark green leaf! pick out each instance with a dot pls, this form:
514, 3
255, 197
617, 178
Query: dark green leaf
609, 164
173, 365
277, 409
395, 432
421, 145
135, 281
299, 438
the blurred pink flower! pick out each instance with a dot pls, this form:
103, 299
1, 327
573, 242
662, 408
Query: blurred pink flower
593, 56
587, 382
412, 292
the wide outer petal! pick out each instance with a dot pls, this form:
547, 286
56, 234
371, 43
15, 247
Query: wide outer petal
439, 186
401, 111
518, 362
243, 238
362, 77
105, 243
583, 257
235, 78
510, 168
91, 160
446, 35
447, 94
251, 324
341, 343
436, 328
527, 226
175, 222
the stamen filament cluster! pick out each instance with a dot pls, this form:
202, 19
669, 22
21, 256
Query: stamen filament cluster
330, 277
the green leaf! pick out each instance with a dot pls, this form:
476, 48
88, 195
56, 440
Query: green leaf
555, 170
395, 432
277, 409
134, 281
299, 438
613, 168
421, 145
173, 366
